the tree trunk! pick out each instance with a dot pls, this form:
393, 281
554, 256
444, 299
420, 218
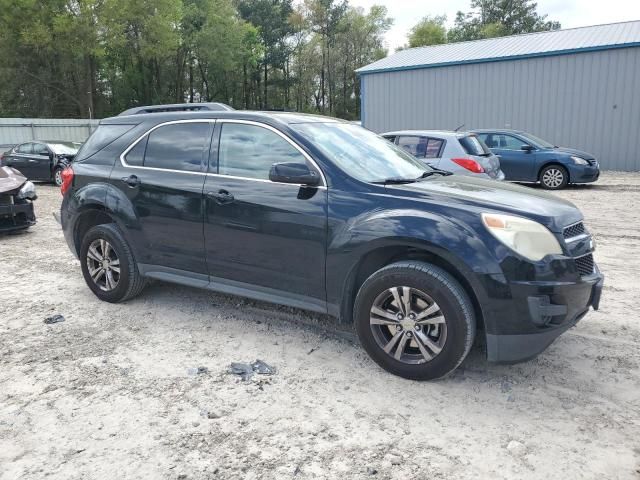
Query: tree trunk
264, 100
191, 94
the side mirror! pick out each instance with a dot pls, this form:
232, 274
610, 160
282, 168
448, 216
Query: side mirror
527, 148
291, 172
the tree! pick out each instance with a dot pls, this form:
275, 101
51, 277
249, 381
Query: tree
429, 31
496, 18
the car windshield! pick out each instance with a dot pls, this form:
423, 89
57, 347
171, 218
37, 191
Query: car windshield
64, 148
538, 142
361, 153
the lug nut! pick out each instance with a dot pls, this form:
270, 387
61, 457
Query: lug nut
398, 328
409, 334
412, 316
417, 327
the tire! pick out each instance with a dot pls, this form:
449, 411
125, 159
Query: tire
57, 176
426, 283
554, 177
128, 281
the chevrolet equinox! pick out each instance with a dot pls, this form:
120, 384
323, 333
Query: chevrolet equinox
321, 214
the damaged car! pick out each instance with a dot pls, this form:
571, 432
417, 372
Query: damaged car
41, 161
16, 201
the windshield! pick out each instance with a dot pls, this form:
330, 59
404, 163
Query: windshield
67, 148
361, 153
538, 142
474, 146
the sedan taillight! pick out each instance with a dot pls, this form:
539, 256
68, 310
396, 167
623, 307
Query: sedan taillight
67, 180
469, 164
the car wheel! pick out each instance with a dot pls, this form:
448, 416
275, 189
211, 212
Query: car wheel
554, 177
108, 265
415, 320
57, 176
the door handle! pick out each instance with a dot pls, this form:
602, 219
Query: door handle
131, 180
222, 197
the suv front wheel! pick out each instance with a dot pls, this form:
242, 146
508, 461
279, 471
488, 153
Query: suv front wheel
415, 320
108, 265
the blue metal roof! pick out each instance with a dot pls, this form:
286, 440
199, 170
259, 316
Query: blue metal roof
558, 42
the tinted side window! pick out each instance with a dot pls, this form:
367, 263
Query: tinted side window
179, 146
434, 145
421, 147
100, 138
249, 151
135, 157
25, 148
474, 146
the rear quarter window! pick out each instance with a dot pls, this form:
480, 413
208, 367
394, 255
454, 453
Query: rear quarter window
104, 135
472, 145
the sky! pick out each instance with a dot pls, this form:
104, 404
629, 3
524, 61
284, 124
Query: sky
570, 13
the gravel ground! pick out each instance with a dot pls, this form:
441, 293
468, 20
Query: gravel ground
108, 393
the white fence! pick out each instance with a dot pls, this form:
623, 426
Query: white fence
19, 130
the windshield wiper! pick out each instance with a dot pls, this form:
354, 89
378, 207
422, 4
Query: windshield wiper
395, 181
435, 171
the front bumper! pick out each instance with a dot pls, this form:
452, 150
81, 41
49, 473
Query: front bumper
16, 216
584, 174
548, 309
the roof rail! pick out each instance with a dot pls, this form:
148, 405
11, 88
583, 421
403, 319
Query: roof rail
178, 107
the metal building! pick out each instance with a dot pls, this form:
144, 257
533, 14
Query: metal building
577, 87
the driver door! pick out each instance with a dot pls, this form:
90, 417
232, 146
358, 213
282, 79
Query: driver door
261, 235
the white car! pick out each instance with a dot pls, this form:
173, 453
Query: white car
462, 153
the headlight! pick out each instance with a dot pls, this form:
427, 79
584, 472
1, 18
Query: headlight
579, 161
526, 237
28, 190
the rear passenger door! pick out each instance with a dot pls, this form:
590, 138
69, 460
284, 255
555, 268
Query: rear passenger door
162, 174
40, 162
261, 235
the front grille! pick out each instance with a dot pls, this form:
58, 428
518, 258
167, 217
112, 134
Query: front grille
585, 265
574, 230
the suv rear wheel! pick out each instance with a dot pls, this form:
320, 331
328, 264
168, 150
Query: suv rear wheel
108, 265
57, 176
415, 320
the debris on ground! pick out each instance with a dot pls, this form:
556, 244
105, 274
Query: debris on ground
246, 370
54, 319
197, 371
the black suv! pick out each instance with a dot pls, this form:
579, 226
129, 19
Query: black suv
323, 215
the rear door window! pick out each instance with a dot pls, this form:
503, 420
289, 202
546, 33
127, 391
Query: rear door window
474, 146
178, 146
26, 148
420, 146
509, 142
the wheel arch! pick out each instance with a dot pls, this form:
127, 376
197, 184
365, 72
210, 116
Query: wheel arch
553, 162
379, 257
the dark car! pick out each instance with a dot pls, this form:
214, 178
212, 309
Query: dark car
527, 158
41, 160
16, 201
324, 215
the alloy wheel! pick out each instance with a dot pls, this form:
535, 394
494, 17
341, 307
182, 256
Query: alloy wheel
408, 325
103, 265
57, 176
553, 177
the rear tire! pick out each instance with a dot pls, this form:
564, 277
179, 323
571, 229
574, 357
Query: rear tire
415, 320
57, 176
554, 177
108, 265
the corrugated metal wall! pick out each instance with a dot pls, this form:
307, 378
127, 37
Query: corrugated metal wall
20, 130
589, 101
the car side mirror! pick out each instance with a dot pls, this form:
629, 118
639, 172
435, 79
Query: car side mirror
292, 172
527, 148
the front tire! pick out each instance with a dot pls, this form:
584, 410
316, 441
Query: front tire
554, 177
57, 176
108, 265
415, 320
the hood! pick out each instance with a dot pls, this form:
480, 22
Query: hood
10, 179
572, 151
492, 196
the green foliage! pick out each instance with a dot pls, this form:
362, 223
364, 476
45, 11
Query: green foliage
497, 18
429, 31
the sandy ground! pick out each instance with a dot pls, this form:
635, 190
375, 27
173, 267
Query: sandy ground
108, 393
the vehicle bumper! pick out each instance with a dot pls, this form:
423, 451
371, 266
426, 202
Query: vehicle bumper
584, 174
543, 310
16, 216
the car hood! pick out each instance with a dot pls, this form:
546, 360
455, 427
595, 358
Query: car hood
10, 179
492, 196
577, 153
